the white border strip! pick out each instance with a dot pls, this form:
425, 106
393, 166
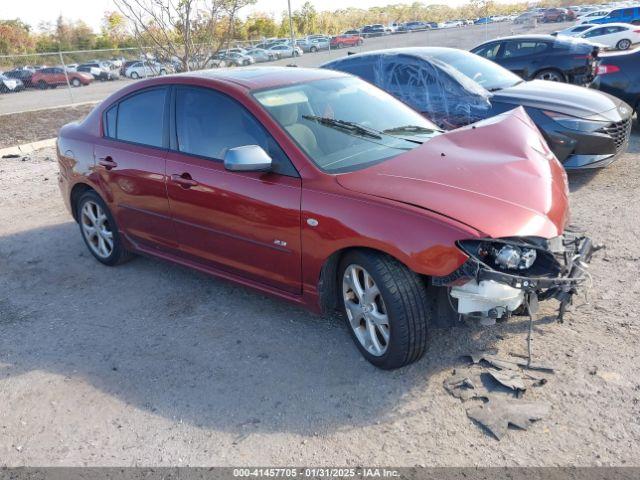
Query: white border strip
27, 148
56, 107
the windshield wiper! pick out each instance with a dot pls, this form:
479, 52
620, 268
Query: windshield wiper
411, 129
351, 127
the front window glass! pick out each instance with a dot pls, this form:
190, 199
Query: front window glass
489, 75
208, 123
345, 124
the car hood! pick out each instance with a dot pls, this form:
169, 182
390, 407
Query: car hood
497, 176
561, 97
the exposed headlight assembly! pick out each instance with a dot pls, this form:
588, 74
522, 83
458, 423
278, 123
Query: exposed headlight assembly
575, 123
514, 258
503, 254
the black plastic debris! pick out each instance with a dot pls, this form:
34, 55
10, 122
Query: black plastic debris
496, 415
490, 358
11, 155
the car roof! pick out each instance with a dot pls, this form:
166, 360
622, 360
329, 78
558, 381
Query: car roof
424, 53
526, 37
253, 78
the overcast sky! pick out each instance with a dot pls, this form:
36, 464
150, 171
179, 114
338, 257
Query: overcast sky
35, 11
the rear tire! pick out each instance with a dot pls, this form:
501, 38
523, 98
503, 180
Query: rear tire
550, 75
623, 44
386, 308
99, 230
42, 85
135, 75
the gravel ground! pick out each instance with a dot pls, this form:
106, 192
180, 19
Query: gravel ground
153, 364
26, 127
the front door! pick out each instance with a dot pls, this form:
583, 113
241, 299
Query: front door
246, 223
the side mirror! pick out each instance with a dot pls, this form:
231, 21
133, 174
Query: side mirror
248, 158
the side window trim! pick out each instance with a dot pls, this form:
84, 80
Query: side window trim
165, 120
173, 133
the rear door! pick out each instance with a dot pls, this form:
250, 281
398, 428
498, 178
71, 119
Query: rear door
245, 223
524, 57
130, 160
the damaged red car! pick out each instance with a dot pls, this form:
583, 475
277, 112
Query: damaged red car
319, 188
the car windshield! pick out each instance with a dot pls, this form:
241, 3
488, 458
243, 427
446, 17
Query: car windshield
345, 124
482, 71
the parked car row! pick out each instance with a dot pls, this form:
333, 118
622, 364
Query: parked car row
46, 77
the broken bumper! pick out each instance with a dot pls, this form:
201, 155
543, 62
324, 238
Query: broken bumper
481, 290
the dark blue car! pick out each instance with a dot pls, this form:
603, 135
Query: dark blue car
621, 15
453, 88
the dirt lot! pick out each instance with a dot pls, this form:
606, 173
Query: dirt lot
26, 127
152, 364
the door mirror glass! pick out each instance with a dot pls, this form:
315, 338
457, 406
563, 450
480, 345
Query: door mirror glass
248, 158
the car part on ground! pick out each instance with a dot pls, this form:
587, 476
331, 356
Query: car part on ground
318, 158
531, 56
454, 88
619, 75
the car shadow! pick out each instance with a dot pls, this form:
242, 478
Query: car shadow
183, 345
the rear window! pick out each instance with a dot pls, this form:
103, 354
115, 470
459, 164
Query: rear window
110, 122
139, 118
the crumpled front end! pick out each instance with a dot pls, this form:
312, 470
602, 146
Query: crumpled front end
510, 275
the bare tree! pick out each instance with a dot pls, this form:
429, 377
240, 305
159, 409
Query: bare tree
191, 31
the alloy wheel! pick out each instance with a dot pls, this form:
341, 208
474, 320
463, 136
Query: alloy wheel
550, 76
366, 310
624, 44
96, 229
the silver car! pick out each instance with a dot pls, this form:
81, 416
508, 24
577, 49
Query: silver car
261, 55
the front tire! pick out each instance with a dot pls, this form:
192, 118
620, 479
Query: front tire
75, 82
386, 308
99, 230
135, 75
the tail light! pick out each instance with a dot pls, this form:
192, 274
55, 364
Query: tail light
604, 69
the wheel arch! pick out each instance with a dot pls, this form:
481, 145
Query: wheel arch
328, 282
77, 191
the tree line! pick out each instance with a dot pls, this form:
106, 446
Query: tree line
152, 23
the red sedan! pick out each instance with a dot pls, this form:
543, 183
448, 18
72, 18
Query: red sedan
51, 77
346, 40
319, 188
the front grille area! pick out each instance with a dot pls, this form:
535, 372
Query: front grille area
619, 131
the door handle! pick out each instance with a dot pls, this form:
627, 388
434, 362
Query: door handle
184, 180
107, 162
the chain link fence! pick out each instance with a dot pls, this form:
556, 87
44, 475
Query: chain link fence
58, 79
